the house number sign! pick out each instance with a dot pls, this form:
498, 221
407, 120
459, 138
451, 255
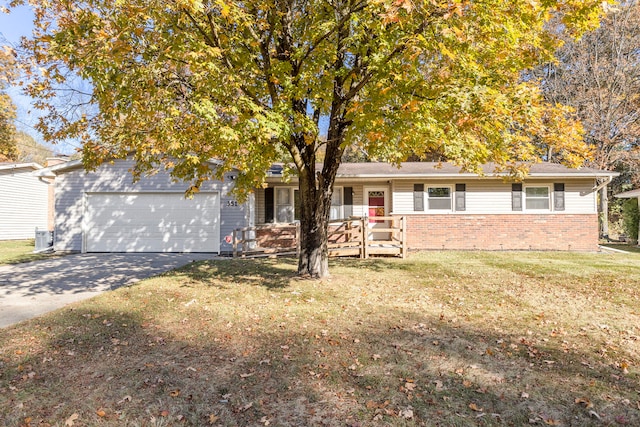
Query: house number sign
232, 203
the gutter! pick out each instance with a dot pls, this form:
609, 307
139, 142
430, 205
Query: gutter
606, 182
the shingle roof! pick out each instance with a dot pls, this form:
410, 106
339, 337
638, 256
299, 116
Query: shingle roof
629, 194
412, 169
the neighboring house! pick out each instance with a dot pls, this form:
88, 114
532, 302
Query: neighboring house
554, 209
23, 201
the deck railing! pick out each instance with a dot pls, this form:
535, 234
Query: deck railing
346, 237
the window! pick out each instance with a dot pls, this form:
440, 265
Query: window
286, 206
336, 204
537, 198
439, 198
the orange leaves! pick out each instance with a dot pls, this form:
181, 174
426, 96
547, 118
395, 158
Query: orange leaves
475, 407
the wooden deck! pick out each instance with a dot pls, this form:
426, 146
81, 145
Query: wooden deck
347, 237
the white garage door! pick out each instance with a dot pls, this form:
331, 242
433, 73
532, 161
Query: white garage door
152, 222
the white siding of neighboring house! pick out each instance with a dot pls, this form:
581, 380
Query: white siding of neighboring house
73, 185
23, 203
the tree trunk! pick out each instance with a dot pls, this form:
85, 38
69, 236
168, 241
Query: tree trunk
604, 212
314, 221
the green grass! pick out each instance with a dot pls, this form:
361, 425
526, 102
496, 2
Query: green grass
441, 338
18, 251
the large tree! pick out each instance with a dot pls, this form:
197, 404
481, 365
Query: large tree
178, 82
8, 149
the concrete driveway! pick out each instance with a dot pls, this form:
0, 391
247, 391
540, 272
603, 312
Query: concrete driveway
30, 289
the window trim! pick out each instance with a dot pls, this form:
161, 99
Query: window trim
549, 198
451, 198
340, 206
276, 205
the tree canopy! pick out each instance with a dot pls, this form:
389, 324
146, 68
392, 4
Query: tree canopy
179, 82
599, 76
8, 149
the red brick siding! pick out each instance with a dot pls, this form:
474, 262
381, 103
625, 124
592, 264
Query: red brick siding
503, 232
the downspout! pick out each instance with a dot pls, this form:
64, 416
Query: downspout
603, 184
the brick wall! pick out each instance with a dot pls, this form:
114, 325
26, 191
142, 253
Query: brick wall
503, 232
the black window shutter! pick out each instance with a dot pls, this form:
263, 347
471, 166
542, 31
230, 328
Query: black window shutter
348, 201
268, 205
461, 197
418, 197
558, 196
516, 197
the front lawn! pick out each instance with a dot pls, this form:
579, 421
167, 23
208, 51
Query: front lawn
17, 251
438, 339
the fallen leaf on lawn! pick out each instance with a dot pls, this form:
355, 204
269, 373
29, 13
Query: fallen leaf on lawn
551, 422
127, 398
164, 413
247, 406
467, 383
375, 357
438, 384
584, 402
594, 414
247, 375
474, 407
175, 393
101, 413
410, 386
71, 420
624, 366
620, 419
213, 418
406, 413
264, 420
524, 395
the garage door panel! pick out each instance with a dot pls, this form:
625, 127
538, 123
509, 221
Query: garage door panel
163, 222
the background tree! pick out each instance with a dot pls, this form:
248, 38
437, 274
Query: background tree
599, 76
178, 82
29, 150
8, 150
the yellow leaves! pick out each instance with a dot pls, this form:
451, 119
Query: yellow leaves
225, 10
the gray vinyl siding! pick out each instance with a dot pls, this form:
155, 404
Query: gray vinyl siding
72, 186
23, 204
494, 196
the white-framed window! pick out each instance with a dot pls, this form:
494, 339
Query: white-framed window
337, 204
537, 198
287, 204
439, 198
284, 204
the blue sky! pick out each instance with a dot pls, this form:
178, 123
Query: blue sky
13, 26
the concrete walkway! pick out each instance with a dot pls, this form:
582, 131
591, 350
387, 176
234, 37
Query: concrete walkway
34, 288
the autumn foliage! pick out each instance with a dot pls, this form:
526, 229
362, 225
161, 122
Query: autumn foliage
176, 83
